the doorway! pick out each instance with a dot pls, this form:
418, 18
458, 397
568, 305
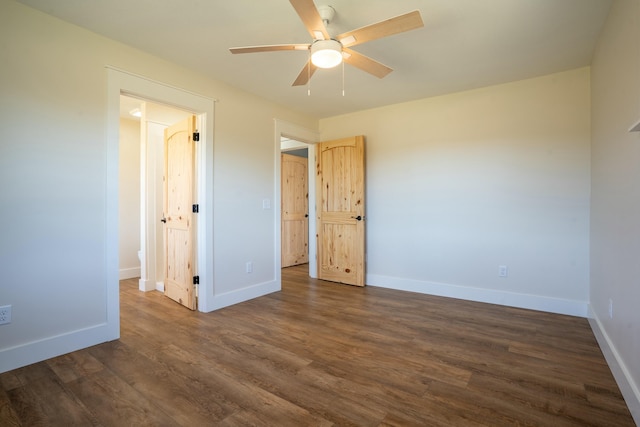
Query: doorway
294, 137
141, 232
121, 82
306, 151
343, 239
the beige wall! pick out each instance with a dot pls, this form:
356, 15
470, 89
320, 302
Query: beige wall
615, 197
129, 198
460, 184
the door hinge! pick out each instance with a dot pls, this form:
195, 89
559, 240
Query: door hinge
196, 280
195, 208
196, 136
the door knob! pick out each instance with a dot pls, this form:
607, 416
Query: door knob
164, 220
306, 215
357, 218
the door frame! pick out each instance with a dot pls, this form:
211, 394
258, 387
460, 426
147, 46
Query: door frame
123, 82
284, 129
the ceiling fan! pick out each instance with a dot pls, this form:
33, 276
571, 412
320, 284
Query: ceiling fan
328, 52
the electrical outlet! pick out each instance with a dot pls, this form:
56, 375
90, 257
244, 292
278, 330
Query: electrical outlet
249, 267
5, 314
503, 271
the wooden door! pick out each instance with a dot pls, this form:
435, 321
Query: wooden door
295, 210
340, 210
179, 231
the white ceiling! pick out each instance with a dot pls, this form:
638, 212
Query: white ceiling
464, 44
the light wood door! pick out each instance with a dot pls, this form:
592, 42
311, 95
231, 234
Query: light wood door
340, 210
179, 234
295, 210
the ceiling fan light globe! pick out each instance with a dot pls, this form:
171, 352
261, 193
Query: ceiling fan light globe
326, 58
326, 53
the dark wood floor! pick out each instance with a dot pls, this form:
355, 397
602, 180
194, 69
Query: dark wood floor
324, 354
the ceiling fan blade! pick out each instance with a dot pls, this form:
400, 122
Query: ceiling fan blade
269, 48
305, 74
389, 27
365, 63
311, 19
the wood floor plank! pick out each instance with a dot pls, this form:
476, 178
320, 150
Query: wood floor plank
321, 354
75, 365
10, 380
46, 398
116, 403
488, 409
530, 397
233, 387
8, 415
157, 383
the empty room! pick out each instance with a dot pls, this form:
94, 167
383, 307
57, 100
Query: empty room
421, 212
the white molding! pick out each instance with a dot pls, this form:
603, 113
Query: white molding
148, 212
129, 273
511, 299
145, 285
160, 287
36, 351
120, 81
245, 294
629, 389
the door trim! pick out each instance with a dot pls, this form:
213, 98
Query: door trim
284, 129
123, 82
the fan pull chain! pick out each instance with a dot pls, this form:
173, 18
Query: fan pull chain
342, 78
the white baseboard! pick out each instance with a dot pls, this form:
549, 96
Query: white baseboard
160, 286
511, 299
241, 295
630, 390
37, 351
146, 285
129, 273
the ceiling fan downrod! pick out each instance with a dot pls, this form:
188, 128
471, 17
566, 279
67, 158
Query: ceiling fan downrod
327, 13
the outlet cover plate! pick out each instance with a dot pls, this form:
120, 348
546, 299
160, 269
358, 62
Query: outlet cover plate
5, 314
503, 271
